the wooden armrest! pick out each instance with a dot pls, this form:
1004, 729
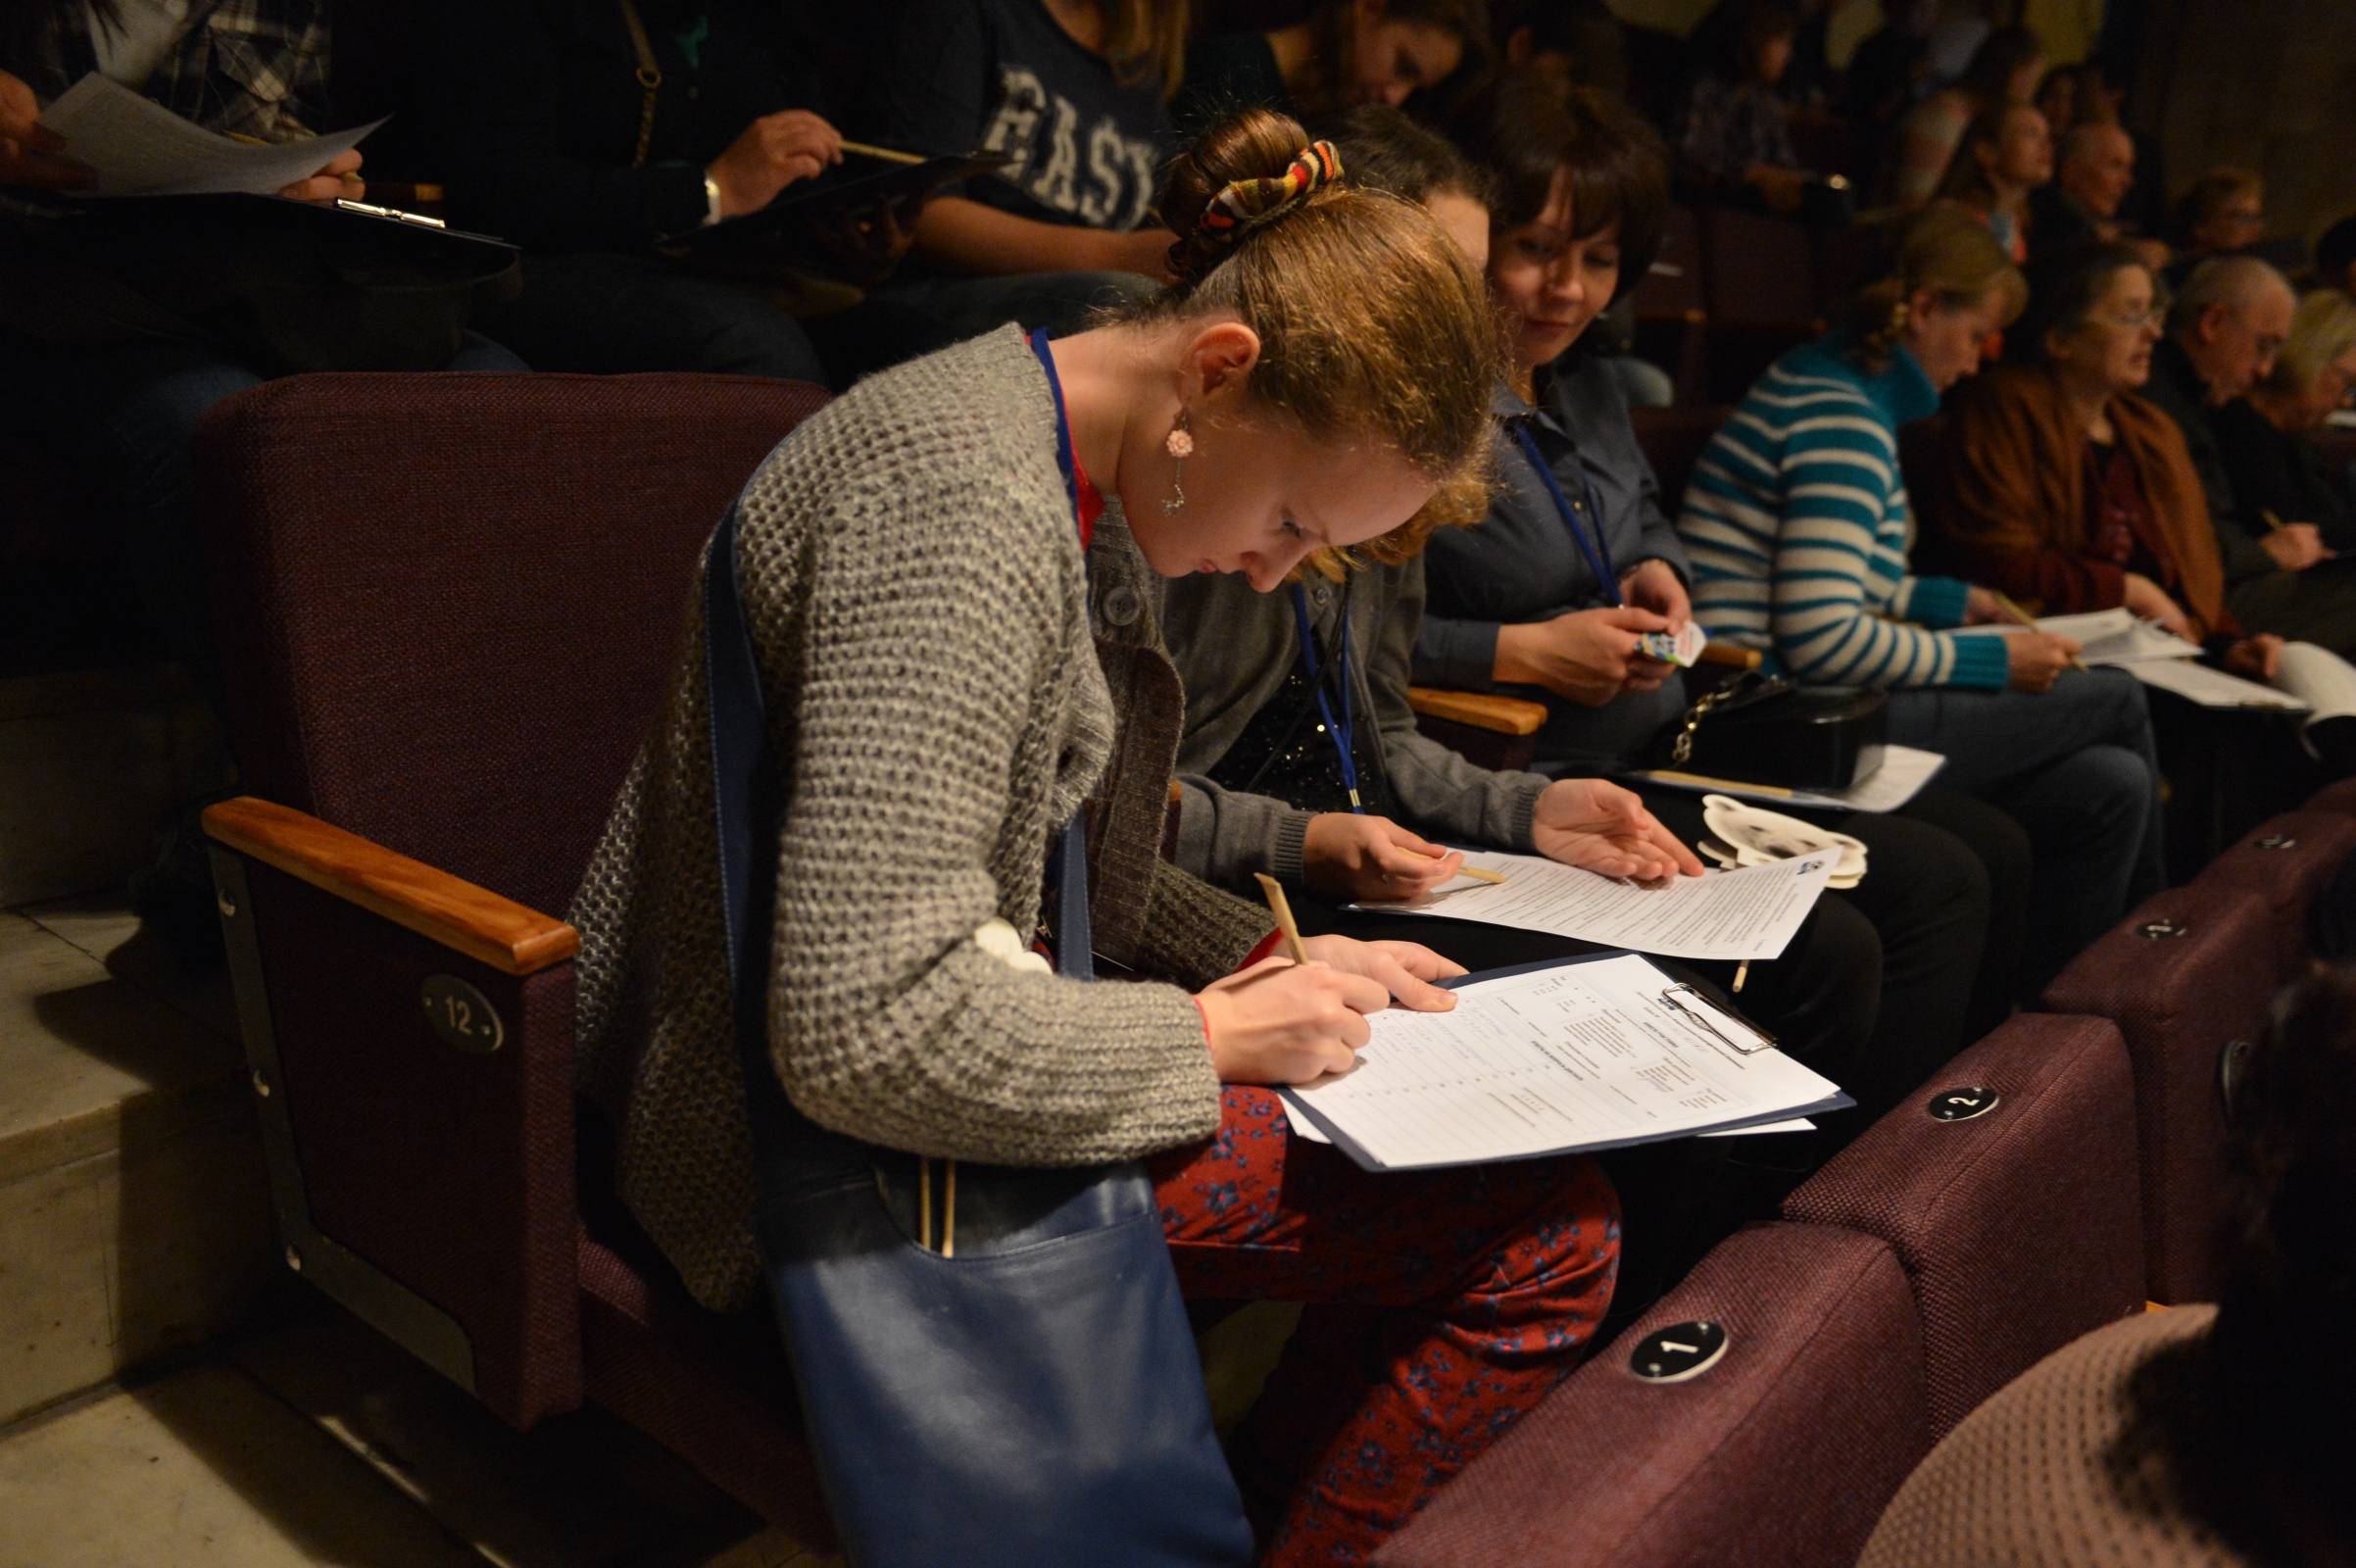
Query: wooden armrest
1730, 655
475, 921
1507, 716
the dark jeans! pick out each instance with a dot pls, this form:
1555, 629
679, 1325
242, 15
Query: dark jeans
2078, 768
124, 415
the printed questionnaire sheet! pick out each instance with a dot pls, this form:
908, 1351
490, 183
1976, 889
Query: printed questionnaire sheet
1748, 914
1550, 1060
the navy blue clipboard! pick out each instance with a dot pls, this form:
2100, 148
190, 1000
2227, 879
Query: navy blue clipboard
1366, 1161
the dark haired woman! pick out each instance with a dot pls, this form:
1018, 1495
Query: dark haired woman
1798, 525
923, 601
1546, 600
120, 404
1074, 93
1343, 53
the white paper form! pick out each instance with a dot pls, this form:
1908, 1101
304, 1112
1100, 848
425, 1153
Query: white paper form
140, 148
2212, 688
2104, 636
1903, 773
1552, 1060
1748, 914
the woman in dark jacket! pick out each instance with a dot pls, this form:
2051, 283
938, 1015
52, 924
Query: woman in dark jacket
1549, 606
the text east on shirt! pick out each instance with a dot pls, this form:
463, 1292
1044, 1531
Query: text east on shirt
1002, 75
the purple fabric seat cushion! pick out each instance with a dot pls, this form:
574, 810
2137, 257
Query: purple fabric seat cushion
2287, 861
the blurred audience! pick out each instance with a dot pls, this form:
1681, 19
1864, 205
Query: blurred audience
2222, 212
1074, 92
1798, 524
2004, 70
2276, 475
2005, 158
1346, 52
2199, 1436
2068, 490
2094, 171
2336, 256
1890, 69
2223, 332
1731, 139
1579, 41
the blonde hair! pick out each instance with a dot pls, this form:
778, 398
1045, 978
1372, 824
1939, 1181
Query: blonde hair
2322, 332
1954, 256
1374, 325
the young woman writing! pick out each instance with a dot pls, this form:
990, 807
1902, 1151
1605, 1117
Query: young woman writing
923, 601
1800, 528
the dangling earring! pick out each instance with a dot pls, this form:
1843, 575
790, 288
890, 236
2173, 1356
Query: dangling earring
1180, 446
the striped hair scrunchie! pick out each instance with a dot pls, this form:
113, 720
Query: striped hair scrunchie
1244, 203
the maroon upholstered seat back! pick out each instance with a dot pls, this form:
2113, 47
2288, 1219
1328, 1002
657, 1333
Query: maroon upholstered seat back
2186, 975
1780, 1455
2285, 861
1673, 440
447, 603
2018, 1226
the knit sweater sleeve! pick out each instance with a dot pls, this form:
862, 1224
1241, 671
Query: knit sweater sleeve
910, 662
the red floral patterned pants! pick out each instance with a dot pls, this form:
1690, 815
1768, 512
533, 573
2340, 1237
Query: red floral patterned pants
1439, 1306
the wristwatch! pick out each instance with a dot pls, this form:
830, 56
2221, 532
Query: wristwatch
712, 200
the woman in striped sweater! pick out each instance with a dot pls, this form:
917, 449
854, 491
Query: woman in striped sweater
1798, 526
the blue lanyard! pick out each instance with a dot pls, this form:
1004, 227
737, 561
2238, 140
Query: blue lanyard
1599, 553
1064, 453
1338, 733
1067, 864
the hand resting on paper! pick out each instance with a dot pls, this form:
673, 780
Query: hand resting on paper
1601, 827
1279, 1022
2258, 658
31, 155
1346, 856
2034, 659
2295, 546
2150, 602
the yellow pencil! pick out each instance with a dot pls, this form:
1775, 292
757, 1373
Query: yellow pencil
2273, 524
888, 154
2026, 620
1282, 908
1496, 879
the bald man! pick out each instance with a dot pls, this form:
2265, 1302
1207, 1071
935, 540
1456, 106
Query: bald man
2095, 170
2223, 331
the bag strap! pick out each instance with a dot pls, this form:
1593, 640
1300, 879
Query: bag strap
650, 81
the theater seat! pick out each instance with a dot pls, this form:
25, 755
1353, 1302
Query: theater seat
1781, 1454
2285, 861
448, 606
2189, 974
2017, 1226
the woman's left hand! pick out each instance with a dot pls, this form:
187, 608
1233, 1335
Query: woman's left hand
2258, 658
1982, 607
338, 182
1601, 827
1406, 968
1655, 585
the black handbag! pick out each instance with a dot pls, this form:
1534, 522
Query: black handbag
1762, 729
994, 1365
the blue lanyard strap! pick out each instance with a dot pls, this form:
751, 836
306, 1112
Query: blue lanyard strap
1064, 453
1598, 552
1067, 864
1338, 733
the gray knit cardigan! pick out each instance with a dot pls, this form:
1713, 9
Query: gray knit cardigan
940, 701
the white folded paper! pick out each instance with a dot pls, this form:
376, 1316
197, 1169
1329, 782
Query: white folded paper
140, 148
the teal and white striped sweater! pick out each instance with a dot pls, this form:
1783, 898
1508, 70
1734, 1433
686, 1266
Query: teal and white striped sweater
1796, 523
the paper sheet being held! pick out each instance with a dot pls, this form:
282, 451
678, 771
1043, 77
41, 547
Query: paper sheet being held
140, 148
1750, 914
1551, 1058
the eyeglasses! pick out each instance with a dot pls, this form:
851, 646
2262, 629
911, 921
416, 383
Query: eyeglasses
1696, 1009
2154, 314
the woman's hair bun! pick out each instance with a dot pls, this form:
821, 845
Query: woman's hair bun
1251, 144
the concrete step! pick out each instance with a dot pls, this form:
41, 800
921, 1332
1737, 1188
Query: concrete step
134, 1212
317, 1442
